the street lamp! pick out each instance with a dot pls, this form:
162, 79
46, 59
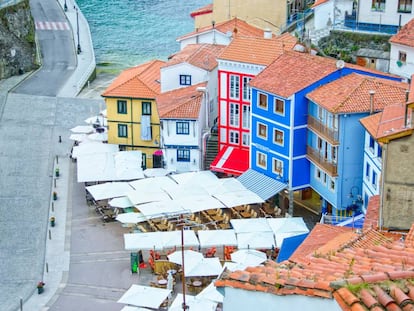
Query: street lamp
77, 24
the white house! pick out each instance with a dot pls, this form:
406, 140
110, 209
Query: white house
402, 51
328, 13
183, 122
195, 64
385, 12
221, 33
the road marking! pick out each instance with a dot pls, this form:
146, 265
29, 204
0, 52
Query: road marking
52, 26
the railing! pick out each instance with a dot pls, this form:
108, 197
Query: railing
6, 3
316, 157
352, 23
328, 133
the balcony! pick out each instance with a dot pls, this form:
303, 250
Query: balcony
330, 135
316, 157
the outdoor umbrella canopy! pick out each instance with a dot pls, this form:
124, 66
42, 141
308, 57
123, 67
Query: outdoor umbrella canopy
144, 296
109, 190
121, 202
190, 257
264, 240
213, 238
82, 129
204, 267
210, 293
143, 241
193, 303
131, 218
155, 172
248, 257
287, 227
98, 136
250, 225
130, 308
172, 239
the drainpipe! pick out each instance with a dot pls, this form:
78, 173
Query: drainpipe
206, 135
383, 169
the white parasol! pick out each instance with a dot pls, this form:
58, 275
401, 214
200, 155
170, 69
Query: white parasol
248, 257
144, 296
190, 257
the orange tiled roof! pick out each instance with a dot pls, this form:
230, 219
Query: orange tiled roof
182, 103
199, 55
360, 264
201, 11
405, 36
372, 216
319, 2
350, 94
257, 50
137, 82
290, 68
388, 124
232, 26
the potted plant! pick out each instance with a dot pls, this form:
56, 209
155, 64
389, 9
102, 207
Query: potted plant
52, 221
40, 287
54, 195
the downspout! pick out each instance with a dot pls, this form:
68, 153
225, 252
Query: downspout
132, 126
206, 135
383, 169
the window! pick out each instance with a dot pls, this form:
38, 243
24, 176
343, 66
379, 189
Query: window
332, 185
183, 155
277, 167
374, 179
279, 106
263, 101
278, 137
183, 128
262, 130
234, 86
404, 6
261, 159
246, 117
367, 171
122, 106
325, 178
402, 57
234, 137
146, 108
371, 143
245, 139
246, 88
318, 174
333, 153
234, 114
379, 152
185, 80
378, 5
122, 130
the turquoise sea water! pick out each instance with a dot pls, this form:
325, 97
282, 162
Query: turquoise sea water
126, 33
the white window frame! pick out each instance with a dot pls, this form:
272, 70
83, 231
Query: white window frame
234, 137
234, 86
258, 130
275, 141
262, 104
246, 89
234, 115
245, 139
277, 167
275, 110
246, 116
261, 156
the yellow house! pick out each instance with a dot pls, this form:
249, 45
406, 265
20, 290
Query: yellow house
132, 114
265, 14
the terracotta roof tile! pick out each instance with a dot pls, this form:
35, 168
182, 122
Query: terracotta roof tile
201, 11
290, 66
406, 35
138, 82
182, 103
371, 271
409, 239
234, 26
200, 55
350, 94
257, 50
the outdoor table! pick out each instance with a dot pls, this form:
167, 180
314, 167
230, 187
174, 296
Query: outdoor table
245, 214
197, 286
162, 282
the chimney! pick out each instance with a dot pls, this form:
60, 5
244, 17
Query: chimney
267, 33
371, 101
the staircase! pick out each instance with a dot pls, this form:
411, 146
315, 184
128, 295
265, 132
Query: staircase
211, 150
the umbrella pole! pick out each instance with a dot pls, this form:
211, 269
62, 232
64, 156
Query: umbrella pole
185, 307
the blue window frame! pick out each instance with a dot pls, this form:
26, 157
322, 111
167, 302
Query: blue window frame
122, 130
371, 143
146, 108
183, 155
379, 152
185, 80
122, 106
183, 128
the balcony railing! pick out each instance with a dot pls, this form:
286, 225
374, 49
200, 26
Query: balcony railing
322, 130
316, 157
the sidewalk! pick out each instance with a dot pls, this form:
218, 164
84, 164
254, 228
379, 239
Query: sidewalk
57, 255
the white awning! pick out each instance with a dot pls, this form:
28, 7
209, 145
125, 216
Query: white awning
264, 186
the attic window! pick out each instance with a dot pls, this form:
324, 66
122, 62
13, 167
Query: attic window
402, 57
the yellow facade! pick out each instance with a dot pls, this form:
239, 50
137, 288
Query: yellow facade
131, 119
264, 14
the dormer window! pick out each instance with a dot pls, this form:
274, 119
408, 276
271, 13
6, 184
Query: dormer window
185, 80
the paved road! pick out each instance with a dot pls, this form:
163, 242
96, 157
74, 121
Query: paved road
57, 50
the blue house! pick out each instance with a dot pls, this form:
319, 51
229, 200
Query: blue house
289, 142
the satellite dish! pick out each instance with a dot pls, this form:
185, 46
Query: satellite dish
340, 64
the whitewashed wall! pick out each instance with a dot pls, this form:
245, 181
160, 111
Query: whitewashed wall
407, 69
170, 76
389, 16
206, 37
